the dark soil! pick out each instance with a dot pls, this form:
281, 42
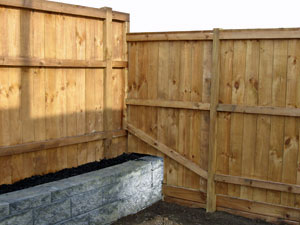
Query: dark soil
163, 213
65, 173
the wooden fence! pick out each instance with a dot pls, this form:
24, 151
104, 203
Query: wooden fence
223, 108
62, 79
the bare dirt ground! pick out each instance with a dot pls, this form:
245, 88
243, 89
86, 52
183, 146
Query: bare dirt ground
163, 213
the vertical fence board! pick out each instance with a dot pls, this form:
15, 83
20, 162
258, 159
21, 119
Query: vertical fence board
236, 127
250, 121
263, 122
277, 123
224, 122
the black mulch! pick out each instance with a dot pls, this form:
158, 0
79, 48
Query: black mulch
65, 173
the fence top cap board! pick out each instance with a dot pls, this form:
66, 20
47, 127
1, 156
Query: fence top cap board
56, 7
224, 34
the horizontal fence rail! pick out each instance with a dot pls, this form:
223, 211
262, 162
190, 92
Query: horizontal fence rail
245, 34
59, 142
58, 63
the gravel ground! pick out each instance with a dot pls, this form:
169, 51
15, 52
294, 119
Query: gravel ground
163, 213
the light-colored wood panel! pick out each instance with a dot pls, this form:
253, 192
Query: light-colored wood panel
223, 120
185, 116
142, 90
205, 118
38, 98
263, 122
152, 79
117, 41
173, 115
132, 93
15, 131
250, 121
277, 123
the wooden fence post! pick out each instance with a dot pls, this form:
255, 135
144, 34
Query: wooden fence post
125, 57
107, 48
211, 189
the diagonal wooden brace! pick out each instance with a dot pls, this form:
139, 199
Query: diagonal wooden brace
167, 151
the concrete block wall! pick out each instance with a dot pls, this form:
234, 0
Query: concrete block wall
98, 197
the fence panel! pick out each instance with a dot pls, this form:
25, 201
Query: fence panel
61, 101
172, 77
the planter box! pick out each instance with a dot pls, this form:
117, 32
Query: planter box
98, 197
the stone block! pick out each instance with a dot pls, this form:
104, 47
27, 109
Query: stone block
19, 219
85, 202
4, 209
104, 215
53, 213
78, 220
